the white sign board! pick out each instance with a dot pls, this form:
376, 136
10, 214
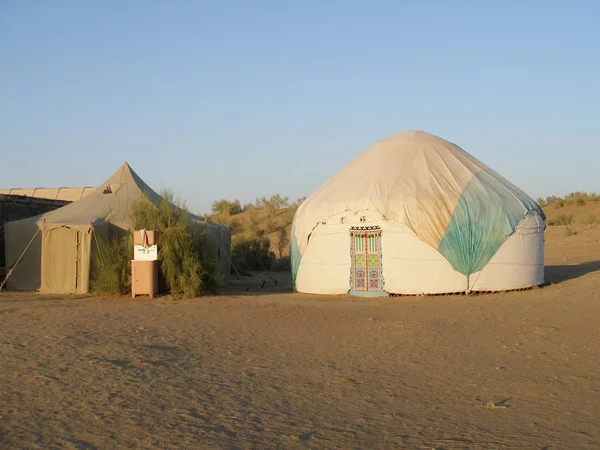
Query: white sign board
145, 253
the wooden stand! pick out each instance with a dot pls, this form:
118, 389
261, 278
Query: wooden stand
144, 273
144, 278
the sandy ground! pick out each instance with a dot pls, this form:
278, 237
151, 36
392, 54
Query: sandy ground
269, 369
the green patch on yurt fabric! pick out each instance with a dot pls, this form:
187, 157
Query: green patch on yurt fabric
487, 213
295, 255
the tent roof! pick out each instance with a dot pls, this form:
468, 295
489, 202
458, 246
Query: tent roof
62, 193
109, 202
413, 179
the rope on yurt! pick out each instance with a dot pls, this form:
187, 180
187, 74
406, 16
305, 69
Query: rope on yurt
18, 260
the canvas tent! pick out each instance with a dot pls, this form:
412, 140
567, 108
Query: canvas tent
55, 247
415, 214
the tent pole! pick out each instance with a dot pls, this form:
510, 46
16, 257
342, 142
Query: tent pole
18, 260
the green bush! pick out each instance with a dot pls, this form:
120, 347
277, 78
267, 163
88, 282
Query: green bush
187, 263
226, 207
188, 266
110, 264
253, 254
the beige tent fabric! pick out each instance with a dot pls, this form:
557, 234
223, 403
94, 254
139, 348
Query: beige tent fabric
58, 261
62, 193
412, 179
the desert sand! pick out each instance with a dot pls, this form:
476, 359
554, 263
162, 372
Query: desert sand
266, 368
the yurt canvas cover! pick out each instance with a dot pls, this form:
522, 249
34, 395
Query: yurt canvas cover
417, 214
58, 243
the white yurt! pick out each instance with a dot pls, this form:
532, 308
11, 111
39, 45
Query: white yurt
415, 214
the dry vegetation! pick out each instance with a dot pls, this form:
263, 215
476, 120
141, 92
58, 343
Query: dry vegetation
260, 231
573, 213
187, 265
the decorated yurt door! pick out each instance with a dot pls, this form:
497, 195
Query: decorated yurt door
366, 277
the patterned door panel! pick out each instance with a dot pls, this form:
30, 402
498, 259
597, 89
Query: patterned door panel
365, 250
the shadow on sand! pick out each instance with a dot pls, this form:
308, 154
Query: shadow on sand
257, 290
558, 274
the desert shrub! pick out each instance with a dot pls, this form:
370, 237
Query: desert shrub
276, 202
255, 225
222, 219
273, 203
236, 226
184, 261
563, 219
227, 207
253, 254
574, 198
110, 264
566, 219
188, 265
269, 226
297, 203
592, 219
570, 231
282, 241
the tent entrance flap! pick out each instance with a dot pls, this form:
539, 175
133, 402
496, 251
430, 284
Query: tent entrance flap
65, 260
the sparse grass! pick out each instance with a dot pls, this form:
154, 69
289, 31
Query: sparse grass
570, 219
592, 219
569, 231
563, 219
574, 198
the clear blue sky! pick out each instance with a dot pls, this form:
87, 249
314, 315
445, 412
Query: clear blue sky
239, 99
